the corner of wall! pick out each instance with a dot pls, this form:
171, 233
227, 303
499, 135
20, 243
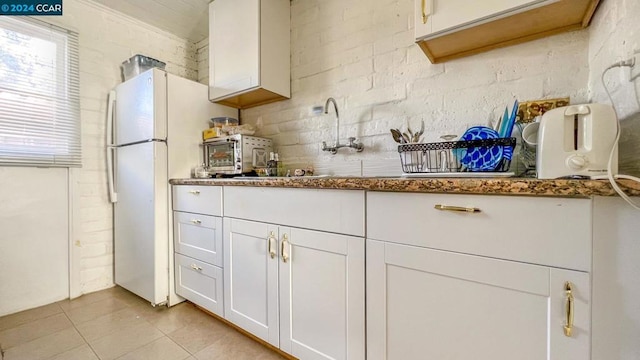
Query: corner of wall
202, 58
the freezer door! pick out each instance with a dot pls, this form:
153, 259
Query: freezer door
141, 233
141, 108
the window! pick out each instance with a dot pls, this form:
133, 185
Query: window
39, 94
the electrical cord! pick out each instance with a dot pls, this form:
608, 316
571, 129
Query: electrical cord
612, 178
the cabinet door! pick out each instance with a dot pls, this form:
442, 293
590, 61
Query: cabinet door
430, 304
200, 283
321, 295
198, 236
443, 15
251, 277
234, 46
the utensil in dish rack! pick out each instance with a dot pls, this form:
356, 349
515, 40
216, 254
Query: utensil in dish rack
397, 136
448, 137
418, 134
446, 164
506, 128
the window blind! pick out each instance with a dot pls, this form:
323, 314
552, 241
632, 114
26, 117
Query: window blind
39, 94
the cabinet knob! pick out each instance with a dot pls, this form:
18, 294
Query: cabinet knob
194, 192
457, 208
196, 267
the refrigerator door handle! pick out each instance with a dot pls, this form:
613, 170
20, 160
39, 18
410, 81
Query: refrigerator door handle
111, 100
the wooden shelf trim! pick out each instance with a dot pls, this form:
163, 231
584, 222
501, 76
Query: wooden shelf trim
563, 16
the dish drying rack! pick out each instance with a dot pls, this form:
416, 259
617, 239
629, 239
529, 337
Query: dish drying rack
453, 156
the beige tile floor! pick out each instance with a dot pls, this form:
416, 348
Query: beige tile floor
115, 324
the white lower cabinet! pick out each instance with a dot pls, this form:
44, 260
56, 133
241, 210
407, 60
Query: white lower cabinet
199, 282
251, 278
197, 244
456, 277
299, 290
430, 304
452, 277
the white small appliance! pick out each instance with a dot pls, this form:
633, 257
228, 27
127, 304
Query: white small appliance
577, 140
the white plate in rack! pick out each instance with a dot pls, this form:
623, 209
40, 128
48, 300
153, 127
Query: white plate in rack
459, 175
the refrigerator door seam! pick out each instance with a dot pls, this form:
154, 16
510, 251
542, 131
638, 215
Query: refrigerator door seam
138, 142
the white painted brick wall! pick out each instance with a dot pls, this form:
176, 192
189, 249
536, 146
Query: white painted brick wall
363, 54
615, 36
106, 39
202, 56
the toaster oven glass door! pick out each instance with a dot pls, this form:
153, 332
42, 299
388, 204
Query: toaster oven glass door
222, 155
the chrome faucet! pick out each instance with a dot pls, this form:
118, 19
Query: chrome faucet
352, 140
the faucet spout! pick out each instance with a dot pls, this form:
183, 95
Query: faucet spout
352, 140
326, 111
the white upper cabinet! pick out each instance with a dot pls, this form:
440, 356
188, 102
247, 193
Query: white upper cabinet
450, 29
249, 52
435, 16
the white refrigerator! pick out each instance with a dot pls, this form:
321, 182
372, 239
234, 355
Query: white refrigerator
154, 131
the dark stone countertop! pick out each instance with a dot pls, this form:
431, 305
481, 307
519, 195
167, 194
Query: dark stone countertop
493, 186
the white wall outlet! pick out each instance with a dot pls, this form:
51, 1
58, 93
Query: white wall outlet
635, 69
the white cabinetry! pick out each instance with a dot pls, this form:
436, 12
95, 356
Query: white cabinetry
616, 289
449, 29
300, 290
438, 16
197, 228
249, 52
483, 285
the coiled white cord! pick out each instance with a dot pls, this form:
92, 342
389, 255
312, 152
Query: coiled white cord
612, 178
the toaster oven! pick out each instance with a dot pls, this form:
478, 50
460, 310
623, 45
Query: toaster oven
236, 154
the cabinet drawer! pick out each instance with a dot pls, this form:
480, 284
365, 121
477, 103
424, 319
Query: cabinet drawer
198, 199
198, 236
339, 211
200, 283
549, 231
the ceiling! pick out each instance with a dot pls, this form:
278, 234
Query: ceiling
187, 19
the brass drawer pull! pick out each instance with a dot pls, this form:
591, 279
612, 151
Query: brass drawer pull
271, 239
457, 208
568, 327
194, 192
196, 267
285, 255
